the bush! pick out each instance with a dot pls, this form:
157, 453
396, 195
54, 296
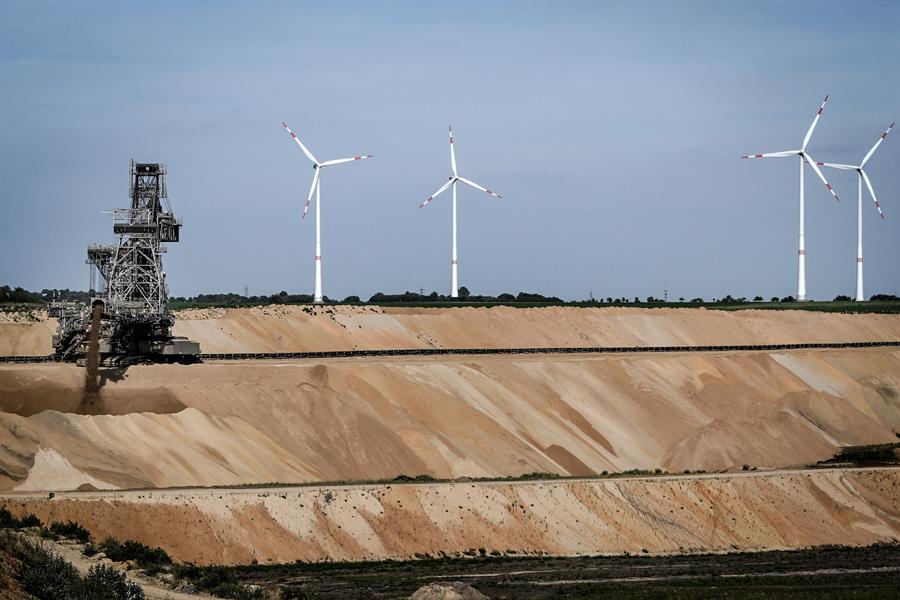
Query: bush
9, 521
43, 574
29, 520
218, 581
70, 530
46, 575
842, 298
106, 582
149, 559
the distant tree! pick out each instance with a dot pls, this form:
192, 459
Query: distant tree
681, 299
842, 298
788, 299
884, 298
697, 301
774, 299
757, 298
609, 300
506, 298
637, 300
377, 297
352, 300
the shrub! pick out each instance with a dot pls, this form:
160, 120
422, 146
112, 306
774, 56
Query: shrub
29, 520
46, 575
149, 559
105, 582
70, 530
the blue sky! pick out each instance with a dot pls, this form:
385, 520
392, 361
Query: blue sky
611, 129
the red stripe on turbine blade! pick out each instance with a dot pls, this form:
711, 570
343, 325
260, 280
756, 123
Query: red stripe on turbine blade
758, 155
821, 108
828, 185
859, 259
801, 252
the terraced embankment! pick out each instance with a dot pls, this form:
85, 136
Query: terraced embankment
308, 328
782, 510
448, 417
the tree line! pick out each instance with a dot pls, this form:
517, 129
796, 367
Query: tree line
18, 295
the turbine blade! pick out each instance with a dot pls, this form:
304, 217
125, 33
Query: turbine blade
308, 154
813, 126
774, 154
440, 191
338, 161
872, 191
875, 147
312, 190
822, 177
837, 166
478, 187
452, 153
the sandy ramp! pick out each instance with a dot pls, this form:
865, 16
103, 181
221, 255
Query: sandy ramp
686, 514
226, 423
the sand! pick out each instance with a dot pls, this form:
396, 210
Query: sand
783, 510
302, 328
448, 417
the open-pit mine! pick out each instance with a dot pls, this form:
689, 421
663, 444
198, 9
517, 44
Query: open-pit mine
280, 460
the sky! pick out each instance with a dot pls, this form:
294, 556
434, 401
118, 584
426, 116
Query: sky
612, 130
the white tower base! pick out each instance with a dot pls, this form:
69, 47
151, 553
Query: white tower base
317, 295
860, 296
801, 252
454, 281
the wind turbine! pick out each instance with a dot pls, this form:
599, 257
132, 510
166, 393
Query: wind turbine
860, 177
317, 188
454, 177
804, 158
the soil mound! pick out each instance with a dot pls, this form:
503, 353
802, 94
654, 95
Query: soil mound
454, 590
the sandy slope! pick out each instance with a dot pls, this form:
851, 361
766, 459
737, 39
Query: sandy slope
720, 513
299, 328
226, 423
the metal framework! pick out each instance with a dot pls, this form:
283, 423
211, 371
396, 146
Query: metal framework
136, 319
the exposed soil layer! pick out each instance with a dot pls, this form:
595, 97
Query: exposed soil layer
365, 419
687, 514
307, 328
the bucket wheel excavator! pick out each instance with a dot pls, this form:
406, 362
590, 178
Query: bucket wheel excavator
128, 320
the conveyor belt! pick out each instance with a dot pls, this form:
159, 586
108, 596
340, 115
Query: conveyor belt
500, 351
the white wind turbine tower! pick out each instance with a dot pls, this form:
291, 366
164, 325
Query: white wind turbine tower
860, 177
317, 188
804, 158
454, 282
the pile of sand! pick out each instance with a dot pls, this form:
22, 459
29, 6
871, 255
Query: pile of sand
250, 422
659, 515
